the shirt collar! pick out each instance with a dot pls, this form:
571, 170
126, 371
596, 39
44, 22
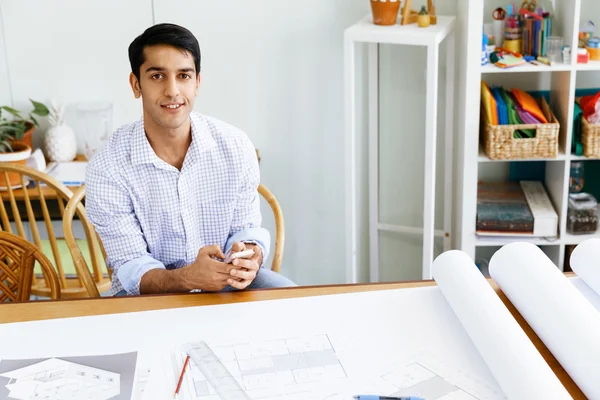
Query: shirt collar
202, 140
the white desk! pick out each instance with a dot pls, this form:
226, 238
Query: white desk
365, 31
253, 314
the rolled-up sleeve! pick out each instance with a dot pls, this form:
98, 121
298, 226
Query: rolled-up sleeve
110, 210
246, 223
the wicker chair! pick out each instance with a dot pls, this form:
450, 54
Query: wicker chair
17, 261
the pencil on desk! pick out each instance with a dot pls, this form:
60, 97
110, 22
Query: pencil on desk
187, 359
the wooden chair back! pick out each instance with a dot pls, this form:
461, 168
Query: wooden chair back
279, 226
17, 261
95, 283
36, 204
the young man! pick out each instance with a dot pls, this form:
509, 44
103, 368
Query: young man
170, 194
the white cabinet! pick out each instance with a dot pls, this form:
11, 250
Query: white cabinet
561, 80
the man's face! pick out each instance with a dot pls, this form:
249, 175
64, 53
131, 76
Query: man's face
168, 85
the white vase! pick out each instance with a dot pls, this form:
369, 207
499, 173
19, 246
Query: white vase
60, 143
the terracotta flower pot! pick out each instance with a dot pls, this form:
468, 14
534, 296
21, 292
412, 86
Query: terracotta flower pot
19, 156
385, 12
27, 136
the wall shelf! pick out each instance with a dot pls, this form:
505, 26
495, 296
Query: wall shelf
590, 66
492, 69
560, 81
502, 240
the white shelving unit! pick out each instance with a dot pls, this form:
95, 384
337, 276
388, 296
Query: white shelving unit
560, 79
364, 32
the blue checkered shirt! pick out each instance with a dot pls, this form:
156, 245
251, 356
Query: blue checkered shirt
150, 215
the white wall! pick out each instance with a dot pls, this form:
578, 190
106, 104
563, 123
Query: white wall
5, 97
73, 51
272, 68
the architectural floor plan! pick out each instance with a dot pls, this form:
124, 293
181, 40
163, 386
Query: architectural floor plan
276, 369
421, 375
309, 368
418, 380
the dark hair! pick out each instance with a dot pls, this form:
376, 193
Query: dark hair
169, 34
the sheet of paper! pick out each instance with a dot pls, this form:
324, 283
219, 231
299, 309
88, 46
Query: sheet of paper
70, 173
85, 377
558, 313
421, 374
367, 331
308, 368
151, 380
495, 333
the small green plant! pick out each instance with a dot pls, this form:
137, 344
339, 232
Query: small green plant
424, 11
14, 128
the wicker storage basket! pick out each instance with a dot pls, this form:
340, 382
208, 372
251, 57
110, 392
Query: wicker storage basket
499, 142
590, 138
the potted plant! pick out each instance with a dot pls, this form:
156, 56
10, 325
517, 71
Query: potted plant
13, 152
423, 19
19, 128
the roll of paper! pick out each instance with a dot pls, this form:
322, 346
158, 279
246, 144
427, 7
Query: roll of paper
585, 262
519, 369
558, 313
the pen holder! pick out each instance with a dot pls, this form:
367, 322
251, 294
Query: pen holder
512, 45
385, 12
594, 53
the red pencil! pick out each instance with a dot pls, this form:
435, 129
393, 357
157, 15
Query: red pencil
187, 359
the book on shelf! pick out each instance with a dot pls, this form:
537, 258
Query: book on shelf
515, 209
502, 208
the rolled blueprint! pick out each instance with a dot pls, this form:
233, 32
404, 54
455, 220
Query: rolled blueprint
558, 313
585, 262
519, 369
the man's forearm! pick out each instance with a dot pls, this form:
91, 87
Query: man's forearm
164, 281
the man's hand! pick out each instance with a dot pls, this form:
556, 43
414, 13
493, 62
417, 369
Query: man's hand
244, 269
206, 272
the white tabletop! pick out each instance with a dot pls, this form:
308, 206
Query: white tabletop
411, 34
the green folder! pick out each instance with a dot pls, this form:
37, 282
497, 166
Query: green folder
576, 144
514, 119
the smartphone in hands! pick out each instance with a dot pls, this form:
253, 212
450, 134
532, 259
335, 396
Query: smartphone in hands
240, 254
